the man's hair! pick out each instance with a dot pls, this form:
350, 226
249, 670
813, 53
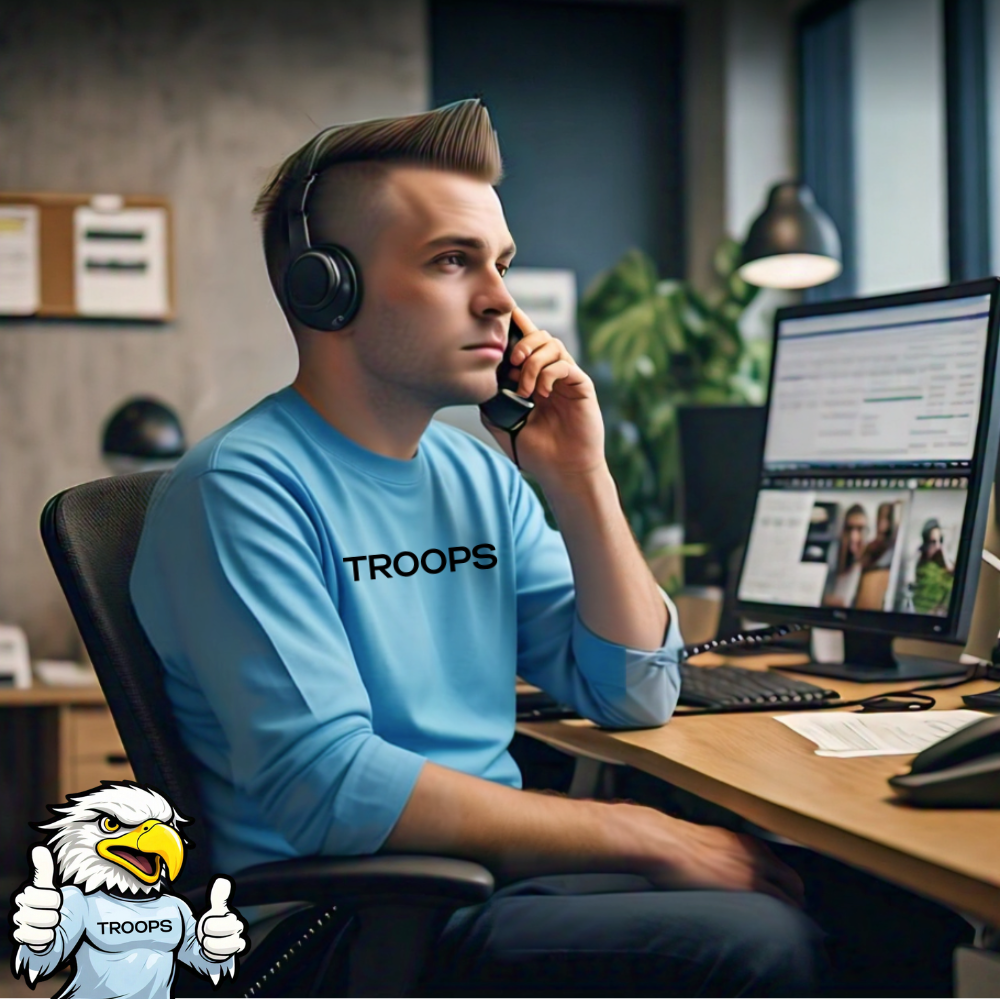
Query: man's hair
457, 137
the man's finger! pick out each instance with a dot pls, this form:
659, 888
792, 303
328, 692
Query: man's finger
44, 867
542, 358
565, 374
775, 870
523, 320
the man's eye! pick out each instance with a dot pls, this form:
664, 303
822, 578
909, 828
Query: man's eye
453, 258
503, 269
109, 825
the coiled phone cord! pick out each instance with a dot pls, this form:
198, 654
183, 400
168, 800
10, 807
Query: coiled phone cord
743, 639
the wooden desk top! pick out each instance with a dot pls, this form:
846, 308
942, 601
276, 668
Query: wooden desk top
770, 775
41, 695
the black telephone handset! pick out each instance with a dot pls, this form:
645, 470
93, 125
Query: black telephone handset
962, 770
507, 409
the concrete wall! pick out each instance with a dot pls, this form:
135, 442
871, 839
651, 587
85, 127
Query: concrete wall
195, 100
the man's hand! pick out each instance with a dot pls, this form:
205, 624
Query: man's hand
564, 436
37, 905
220, 930
685, 855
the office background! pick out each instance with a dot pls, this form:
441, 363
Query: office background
195, 100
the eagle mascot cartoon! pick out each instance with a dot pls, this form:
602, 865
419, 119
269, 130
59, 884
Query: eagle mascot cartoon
109, 910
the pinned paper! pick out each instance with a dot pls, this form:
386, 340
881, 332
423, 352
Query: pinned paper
20, 282
121, 261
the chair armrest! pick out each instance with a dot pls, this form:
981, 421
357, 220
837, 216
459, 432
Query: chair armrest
365, 881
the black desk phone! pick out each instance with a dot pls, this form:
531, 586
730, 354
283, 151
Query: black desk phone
962, 770
507, 409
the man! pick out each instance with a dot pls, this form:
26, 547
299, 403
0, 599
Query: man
342, 592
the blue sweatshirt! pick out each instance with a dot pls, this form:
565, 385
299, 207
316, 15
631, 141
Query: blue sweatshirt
330, 618
124, 947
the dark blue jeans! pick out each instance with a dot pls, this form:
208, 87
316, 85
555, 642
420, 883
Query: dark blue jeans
615, 935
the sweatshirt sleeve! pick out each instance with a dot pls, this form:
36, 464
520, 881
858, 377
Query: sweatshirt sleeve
613, 685
235, 593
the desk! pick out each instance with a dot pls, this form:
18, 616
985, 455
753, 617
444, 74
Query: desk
53, 740
769, 775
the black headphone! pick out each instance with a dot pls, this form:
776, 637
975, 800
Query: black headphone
322, 283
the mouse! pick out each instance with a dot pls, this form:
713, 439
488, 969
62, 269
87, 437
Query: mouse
961, 771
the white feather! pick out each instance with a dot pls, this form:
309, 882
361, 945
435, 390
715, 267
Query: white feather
77, 834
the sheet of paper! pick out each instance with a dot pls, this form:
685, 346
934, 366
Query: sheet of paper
850, 734
20, 275
121, 263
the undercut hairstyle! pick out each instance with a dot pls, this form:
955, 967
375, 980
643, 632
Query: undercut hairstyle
457, 137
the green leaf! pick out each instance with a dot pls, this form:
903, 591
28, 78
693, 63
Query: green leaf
653, 345
727, 257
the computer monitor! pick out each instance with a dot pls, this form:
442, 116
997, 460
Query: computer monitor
720, 465
880, 453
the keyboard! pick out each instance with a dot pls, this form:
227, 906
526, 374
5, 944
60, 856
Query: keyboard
736, 689
720, 689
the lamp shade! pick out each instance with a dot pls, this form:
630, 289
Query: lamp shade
793, 243
142, 433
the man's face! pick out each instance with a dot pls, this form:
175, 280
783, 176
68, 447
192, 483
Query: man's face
435, 314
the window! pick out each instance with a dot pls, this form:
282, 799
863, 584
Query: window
879, 142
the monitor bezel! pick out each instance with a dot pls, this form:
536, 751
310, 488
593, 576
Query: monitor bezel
954, 627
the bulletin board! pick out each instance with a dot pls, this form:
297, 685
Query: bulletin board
86, 256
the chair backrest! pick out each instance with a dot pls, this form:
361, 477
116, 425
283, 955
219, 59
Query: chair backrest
91, 533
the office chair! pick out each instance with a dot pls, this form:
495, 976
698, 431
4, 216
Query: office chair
389, 908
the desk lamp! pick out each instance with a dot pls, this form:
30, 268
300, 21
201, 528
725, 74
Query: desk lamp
793, 243
141, 435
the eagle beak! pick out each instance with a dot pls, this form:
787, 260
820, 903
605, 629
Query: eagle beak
141, 850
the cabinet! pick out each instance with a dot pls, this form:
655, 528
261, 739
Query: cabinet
53, 741
89, 749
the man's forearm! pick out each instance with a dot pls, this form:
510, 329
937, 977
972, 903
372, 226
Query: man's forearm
617, 597
516, 834
521, 835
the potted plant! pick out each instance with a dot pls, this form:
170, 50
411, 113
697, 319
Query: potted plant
653, 346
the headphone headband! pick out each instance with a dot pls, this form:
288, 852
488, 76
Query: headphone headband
298, 220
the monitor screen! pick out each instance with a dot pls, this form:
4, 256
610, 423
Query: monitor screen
869, 500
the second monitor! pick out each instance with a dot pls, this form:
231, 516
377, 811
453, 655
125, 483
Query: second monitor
879, 457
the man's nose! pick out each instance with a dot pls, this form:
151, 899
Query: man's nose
494, 298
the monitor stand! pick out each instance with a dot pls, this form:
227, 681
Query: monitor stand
869, 657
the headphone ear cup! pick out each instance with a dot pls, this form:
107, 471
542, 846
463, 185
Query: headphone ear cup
323, 287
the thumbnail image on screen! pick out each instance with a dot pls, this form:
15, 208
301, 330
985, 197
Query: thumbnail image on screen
855, 538
929, 551
888, 549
